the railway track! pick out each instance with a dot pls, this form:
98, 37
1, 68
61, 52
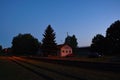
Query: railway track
46, 73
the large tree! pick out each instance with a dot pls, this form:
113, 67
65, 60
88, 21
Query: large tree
25, 44
113, 37
49, 46
98, 44
109, 45
0, 47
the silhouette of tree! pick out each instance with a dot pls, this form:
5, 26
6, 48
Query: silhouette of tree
72, 41
109, 45
49, 46
113, 37
0, 47
25, 44
98, 44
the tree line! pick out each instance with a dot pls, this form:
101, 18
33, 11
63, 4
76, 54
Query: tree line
110, 44
26, 44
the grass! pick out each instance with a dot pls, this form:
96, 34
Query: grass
83, 73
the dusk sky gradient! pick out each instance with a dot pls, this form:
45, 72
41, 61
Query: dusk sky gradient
83, 18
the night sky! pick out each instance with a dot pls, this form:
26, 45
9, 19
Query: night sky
83, 18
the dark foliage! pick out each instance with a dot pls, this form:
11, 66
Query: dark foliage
98, 44
25, 44
113, 37
72, 41
0, 47
49, 46
109, 45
